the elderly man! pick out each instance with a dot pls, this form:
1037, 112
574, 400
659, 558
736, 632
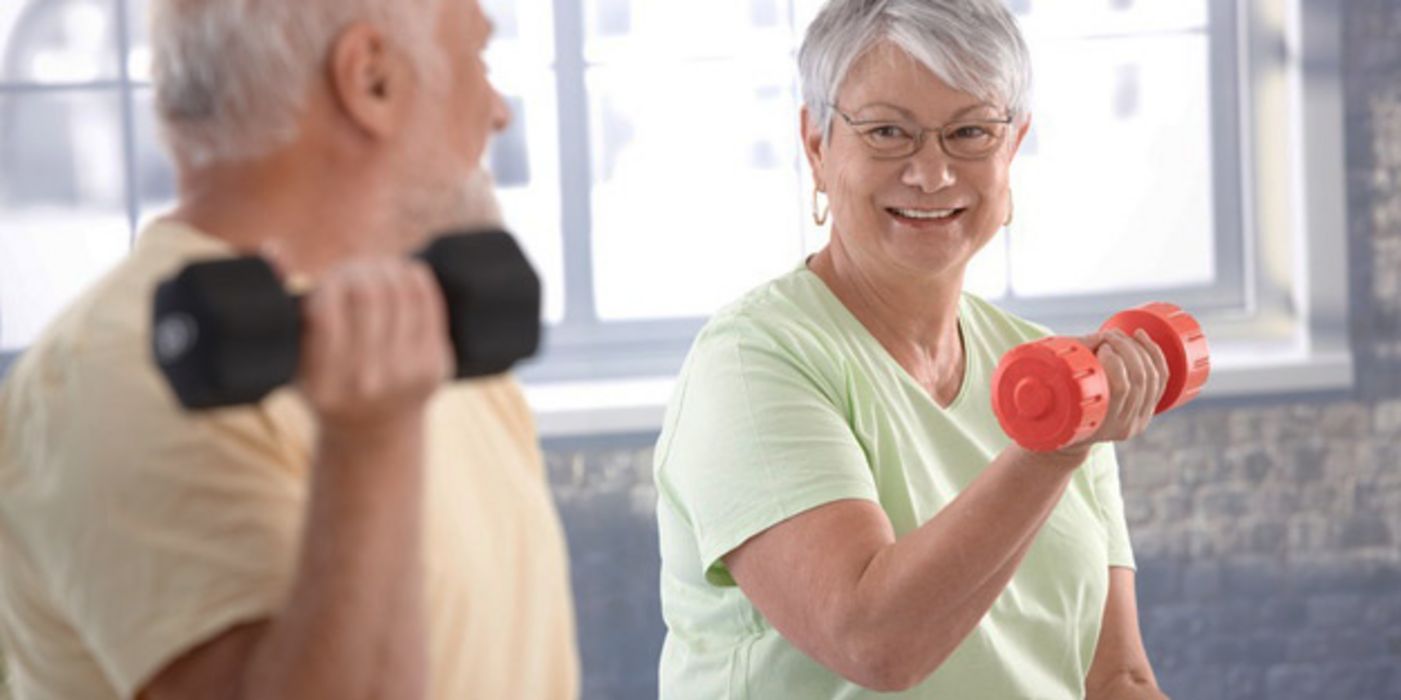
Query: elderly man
371, 533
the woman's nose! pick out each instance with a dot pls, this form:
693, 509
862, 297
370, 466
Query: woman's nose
929, 169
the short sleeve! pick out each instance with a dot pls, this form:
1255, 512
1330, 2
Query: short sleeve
164, 529
1110, 497
755, 436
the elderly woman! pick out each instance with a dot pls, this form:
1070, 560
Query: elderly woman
840, 512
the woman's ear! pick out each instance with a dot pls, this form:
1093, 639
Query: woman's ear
814, 145
368, 80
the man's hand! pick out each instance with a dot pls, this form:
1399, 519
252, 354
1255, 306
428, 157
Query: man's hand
375, 345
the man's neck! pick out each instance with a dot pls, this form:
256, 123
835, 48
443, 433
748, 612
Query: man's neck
279, 209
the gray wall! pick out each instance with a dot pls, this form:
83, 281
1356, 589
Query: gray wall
1268, 533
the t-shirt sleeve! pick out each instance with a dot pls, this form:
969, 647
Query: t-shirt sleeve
1109, 495
753, 437
169, 530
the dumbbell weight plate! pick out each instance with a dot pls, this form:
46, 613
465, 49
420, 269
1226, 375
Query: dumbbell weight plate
251, 349
1050, 393
1183, 344
493, 298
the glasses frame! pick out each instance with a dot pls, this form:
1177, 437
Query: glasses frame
921, 134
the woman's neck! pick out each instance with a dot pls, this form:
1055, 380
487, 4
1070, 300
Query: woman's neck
915, 319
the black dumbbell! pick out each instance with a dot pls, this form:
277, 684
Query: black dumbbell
227, 333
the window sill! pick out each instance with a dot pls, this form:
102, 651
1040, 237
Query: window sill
635, 406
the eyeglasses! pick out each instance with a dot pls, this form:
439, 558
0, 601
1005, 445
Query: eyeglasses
965, 139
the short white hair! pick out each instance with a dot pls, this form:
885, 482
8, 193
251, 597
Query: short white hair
972, 45
232, 76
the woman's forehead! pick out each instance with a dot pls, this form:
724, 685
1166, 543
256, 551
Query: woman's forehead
887, 81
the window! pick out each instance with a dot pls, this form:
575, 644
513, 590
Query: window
1178, 152
654, 172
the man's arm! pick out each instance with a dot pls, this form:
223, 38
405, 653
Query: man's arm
1121, 670
375, 350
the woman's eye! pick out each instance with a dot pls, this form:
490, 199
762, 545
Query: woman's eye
970, 132
888, 131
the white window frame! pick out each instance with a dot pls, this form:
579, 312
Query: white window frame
1281, 329
1277, 318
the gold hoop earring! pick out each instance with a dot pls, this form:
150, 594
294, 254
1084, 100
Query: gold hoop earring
1011, 209
819, 214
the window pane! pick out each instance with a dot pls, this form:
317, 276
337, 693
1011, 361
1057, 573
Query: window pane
57, 41
155, 175
619, 30
524, 32
1068, 18
1114, 189
696, 195
525, 162
62, 216
138, 59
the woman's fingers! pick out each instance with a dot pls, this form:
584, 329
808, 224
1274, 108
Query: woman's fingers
1158, 362
1117, 376
1145, 373
1129, 373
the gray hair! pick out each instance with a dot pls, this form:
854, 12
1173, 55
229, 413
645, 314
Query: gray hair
973, 45
232, 76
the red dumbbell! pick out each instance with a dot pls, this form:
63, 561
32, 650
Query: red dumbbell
1052, 393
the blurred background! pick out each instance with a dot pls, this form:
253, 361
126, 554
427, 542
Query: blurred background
1241, 158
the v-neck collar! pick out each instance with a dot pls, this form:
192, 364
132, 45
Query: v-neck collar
970, 358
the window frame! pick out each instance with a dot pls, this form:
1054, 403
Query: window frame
584, 347
617, 376
124, 88
1290, 274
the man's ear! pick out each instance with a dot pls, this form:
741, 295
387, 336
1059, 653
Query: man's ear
814, 144
369, 81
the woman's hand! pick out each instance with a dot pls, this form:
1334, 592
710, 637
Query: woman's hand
1137, 373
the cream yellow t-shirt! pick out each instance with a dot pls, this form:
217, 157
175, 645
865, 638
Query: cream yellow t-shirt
132, 531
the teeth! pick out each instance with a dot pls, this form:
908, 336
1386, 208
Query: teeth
932, 214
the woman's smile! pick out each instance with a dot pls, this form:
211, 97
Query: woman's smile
926, 219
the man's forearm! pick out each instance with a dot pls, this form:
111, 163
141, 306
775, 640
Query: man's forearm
357, 592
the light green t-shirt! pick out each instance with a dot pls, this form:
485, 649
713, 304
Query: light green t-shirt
787, 403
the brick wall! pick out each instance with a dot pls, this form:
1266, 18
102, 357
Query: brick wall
1268, 534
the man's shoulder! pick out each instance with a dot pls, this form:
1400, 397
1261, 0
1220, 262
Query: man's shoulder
90, 382
105, 330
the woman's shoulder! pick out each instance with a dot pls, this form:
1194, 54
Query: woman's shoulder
998, 325
787, 309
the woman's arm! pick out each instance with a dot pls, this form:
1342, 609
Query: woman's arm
885, 613
1121, 670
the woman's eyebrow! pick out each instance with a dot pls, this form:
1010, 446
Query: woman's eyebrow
907, 114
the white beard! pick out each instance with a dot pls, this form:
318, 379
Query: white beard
430, 209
